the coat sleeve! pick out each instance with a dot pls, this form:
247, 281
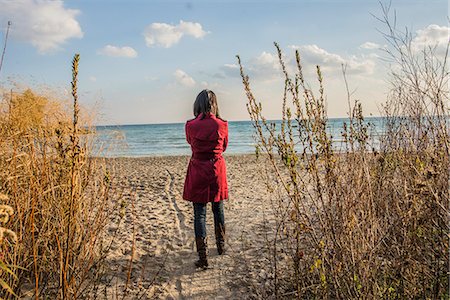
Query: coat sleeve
188, 136
225, 140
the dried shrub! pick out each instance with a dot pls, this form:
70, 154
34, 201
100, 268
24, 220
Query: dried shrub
368, 219
59, 195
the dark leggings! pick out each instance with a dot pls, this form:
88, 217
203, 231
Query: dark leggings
200, 217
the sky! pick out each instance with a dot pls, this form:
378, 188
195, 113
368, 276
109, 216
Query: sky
145, 61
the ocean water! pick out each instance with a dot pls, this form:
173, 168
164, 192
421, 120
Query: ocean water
169, 139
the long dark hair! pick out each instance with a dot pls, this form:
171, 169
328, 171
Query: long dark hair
206, 102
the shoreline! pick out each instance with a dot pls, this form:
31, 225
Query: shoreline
225, 155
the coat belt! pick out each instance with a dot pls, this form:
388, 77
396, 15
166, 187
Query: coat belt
206, 156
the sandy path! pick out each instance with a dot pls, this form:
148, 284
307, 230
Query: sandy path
161, 224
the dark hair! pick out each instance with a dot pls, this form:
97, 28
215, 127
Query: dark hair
206, 102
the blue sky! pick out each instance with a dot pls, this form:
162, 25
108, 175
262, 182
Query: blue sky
145, 61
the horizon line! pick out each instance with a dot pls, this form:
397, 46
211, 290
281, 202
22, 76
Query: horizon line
173, 123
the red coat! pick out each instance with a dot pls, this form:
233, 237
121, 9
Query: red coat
206, 179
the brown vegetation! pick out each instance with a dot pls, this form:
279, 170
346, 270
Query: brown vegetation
59, 196
359, 222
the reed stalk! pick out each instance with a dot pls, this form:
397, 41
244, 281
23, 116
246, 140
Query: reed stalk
60, 196
365, 218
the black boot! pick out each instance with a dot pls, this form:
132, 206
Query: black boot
202, 261
220, 238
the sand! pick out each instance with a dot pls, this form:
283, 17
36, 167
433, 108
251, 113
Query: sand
157, 233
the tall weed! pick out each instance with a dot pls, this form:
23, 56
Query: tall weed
59, 195
368, 220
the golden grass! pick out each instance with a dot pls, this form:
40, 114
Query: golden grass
59, 196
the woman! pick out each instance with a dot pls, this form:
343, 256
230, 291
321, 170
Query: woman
206, 179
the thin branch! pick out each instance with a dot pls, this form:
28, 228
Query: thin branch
4, 46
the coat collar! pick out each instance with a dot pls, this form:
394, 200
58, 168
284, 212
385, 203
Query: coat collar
206, 116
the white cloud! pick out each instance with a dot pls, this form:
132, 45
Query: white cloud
370, 46
46, 24
183, 78
193, 29
166, 35
266, 58
432, 38
266, 66
331, 62
114, 51
432, 35
92, 78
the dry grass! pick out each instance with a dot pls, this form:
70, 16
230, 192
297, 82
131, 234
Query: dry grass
360, 222
59, 196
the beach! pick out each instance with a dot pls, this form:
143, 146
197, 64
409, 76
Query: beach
333, 118
157, 232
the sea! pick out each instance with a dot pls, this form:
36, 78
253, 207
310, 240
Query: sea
169, 139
